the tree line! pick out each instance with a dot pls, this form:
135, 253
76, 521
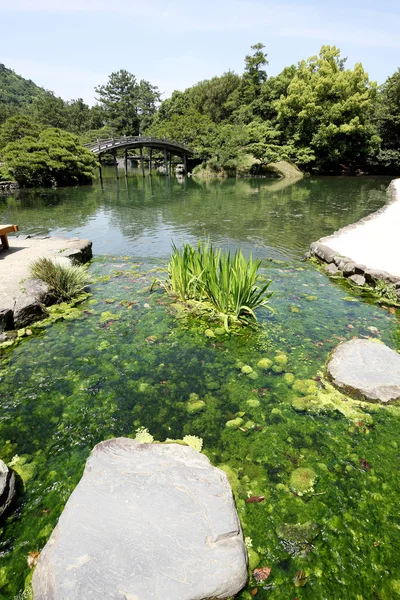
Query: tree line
318, 114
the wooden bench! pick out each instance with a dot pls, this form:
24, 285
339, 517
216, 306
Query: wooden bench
4, 229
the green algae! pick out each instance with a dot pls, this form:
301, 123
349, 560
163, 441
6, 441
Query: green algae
302, 481
84, 380
264, 363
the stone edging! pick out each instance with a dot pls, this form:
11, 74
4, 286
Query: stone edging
30, 305
342, 265
7, 186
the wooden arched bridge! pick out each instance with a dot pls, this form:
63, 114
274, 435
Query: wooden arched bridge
168, 147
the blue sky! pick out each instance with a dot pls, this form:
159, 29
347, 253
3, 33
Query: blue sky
70, 46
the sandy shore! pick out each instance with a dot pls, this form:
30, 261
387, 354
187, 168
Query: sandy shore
374, 241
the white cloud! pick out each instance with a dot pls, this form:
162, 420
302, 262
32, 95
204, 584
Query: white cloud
308, 20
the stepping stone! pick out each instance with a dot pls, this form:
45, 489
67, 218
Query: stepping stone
366, 369
146, 522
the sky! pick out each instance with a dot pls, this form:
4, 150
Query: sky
71, 46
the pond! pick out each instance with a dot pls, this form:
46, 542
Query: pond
130, 359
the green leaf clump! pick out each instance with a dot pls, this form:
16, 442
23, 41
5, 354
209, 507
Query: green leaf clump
227, 284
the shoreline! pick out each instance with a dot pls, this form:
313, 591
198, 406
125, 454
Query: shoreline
22, 298
368, 250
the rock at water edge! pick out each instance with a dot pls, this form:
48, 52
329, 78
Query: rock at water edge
366, 369
7, 487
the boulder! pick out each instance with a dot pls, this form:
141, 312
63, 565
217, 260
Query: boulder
27, 310
80, 252
357, 279
7, 487
332, 269
39, 290
349, 269
146, 522
322, 252
6, 319
366, 369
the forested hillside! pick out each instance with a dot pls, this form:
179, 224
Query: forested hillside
16, 93
319, 114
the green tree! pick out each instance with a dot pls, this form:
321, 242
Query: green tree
387, 118
126, 103
325, 116
50, 110
17, 127
55, 158
79, 116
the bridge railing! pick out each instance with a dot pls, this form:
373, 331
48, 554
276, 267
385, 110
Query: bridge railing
104, 145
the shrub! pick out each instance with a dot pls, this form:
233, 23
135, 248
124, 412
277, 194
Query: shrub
65, 282
228, 284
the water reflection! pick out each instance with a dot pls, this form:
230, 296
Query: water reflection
140, 216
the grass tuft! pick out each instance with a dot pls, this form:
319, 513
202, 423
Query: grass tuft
65, 282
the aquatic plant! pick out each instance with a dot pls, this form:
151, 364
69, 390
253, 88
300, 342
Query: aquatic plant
228, 284
144, 436
194, 442
65, 282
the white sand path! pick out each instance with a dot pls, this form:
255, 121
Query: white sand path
375, 240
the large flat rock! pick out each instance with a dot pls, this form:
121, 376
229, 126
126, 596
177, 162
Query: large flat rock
367, 369
146, 522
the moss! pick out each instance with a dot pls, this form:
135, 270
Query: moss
264, 363
195, 407
246, 370
238, 422
277, 369
209, 333
254, 559
26, 470
281, 360
253, 402
302, 480
305, 386
108, 316
143, 436
288, 378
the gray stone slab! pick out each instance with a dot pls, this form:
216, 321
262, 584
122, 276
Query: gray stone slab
146, 522
366, 369
27, 310
7, 487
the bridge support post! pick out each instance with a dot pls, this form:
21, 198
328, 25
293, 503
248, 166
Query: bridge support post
185, 162
126, 162
100, 174
150, 159
166, 161
115, 163
141, 160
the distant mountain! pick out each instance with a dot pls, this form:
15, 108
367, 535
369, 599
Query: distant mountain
16, 93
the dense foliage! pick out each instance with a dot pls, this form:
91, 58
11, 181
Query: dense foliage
318, 114
54, 157
16, 93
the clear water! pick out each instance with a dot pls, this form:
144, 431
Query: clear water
127, 361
